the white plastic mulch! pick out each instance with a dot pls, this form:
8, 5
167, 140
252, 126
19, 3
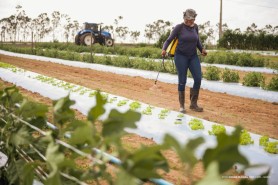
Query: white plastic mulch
149, 126
216, 86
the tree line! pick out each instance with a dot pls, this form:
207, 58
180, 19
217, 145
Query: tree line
60, 27
19, 27
252, 38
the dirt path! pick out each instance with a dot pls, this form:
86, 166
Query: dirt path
254, 115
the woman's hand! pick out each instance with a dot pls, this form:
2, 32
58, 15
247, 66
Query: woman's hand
204, 52
163, 53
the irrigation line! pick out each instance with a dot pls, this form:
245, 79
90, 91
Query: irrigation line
40, 172
63, 174
83, 154
118, 162
29, 159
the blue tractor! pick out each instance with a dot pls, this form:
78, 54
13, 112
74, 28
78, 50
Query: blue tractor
92, 33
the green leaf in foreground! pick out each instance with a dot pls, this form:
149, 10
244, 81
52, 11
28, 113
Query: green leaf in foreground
213, 177
98, 109
34, 113
62, 111
186, 153
114, 125
226, 153
145, 162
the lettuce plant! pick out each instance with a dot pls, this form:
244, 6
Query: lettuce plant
196, 124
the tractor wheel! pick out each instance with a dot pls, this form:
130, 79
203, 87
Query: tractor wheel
76, 40
87, 39
109, 42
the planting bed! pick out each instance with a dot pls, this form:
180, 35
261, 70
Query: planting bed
155, 122
256, 116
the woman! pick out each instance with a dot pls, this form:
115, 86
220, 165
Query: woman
186, 58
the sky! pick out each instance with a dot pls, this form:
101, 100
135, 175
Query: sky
136, 14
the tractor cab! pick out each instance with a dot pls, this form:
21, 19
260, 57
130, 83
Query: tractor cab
90, 26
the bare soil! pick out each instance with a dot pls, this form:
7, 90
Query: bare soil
254, 115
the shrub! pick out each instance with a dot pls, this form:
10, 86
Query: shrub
254, 79
273, 84
230, 76
210, 58
245, 59
231, 58
258, 62
212, 73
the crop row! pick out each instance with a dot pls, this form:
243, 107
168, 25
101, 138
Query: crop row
194, 123
26, 139
220, 57
254, 79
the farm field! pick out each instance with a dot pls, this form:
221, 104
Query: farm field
255, 115
95, 101
130, 141
221, 108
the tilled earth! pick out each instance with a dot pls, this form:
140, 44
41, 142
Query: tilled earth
254, 115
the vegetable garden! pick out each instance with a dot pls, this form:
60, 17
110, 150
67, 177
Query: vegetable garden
52, 149
92, 115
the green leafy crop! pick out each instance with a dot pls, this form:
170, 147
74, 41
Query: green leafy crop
245, 138
145, 163
196, 124
272, 147
264, 140
147, 111
134, 105
163, 114
217, 129
121, 103
180, 115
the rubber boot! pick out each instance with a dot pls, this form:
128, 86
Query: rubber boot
182, 100
194, 95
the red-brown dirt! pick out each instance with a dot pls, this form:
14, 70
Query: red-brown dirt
254, 115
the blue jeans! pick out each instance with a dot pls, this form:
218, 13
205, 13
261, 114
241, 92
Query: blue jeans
183, 63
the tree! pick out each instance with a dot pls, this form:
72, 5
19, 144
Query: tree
206, 33
158, 28
75, 28
149, 32
252, 29
56, 17
4, 27
116, 23
43, 25
134, 35
122, 32
67, 27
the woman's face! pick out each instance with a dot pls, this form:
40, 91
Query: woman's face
189, 22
